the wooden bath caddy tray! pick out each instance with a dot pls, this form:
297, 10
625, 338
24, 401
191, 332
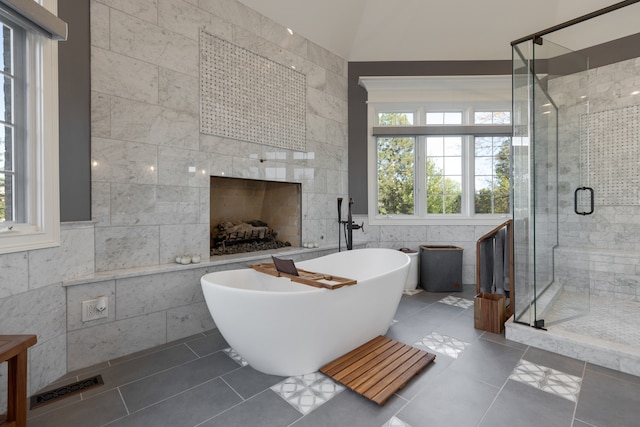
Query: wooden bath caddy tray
318, 280
378, 368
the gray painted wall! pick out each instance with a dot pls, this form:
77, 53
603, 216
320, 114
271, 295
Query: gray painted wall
75, 113
358, 107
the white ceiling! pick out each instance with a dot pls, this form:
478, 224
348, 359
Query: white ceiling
432, 30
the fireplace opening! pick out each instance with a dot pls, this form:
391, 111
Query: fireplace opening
248, 215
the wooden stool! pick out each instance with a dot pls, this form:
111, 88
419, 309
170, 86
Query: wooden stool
13, 348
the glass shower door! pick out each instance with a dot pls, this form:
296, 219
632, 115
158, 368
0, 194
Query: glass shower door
537, 144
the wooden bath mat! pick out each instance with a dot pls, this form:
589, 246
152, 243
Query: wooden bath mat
319, 280
378, 368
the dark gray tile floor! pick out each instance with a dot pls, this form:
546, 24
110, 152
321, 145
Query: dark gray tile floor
481, 380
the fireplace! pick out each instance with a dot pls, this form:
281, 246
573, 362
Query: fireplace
248, 215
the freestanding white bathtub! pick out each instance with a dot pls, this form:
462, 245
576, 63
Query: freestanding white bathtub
286, 328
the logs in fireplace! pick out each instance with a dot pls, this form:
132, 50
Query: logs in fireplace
233, 237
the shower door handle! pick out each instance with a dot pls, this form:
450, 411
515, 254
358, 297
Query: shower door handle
575, 200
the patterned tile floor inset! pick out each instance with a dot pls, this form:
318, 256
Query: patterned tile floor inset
307, 392
396, 422
457, 302
547, 379
235, 356
443, 344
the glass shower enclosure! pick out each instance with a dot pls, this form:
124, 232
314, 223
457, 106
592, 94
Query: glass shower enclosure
537, 161
575, 182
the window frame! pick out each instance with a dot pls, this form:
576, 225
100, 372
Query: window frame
41, 227
421, 131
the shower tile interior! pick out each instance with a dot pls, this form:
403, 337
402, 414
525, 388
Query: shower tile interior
482, 386
608, 320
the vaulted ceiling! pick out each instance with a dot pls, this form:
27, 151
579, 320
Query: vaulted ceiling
412, 30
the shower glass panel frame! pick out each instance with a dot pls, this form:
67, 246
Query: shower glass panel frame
535, 158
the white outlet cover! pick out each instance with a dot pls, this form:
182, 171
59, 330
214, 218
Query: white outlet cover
89, 311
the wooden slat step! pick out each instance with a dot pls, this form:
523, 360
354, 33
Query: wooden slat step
378, 368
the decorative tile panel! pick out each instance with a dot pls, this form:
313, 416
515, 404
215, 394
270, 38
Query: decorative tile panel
248, 97
395, 422
443, 344
547, 379
235, 356
457, 302
610, 153
307, 392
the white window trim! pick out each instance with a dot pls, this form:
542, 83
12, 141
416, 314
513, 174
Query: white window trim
43, 227
419, 95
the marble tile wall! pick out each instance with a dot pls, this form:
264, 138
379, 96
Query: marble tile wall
33, 301
611, 236
147, 203
147, 206
146, 309
411, 236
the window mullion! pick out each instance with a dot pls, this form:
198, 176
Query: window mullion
469, 179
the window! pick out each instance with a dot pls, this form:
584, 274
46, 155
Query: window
29, 200
435, 160
444, 174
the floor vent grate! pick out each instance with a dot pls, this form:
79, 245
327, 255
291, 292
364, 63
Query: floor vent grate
65, 391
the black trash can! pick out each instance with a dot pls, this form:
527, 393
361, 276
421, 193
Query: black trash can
441, 268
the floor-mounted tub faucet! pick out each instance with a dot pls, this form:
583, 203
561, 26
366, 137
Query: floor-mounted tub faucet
348, 225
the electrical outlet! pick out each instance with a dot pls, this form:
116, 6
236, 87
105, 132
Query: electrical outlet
90, 312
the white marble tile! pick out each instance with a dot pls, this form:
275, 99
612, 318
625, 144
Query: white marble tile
41, 312
99, 18
318, 206
187, 167
247, 167
178, 91
118, 75
147, 42
143, 9
316, 75
316, 128
77, 294
204, 211
14, 277
326, 105
188, 320
336, 86
100, 115
47, 362
140, 122
402, 233
450, 233
337, 133
134, 204
326, 59
279, 35
126, 247
157, 292
175, 204
101, 203
86, 347
123, 162
74, 257
187, 19
234, 12
183, 239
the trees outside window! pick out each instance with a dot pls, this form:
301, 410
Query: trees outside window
432, 176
